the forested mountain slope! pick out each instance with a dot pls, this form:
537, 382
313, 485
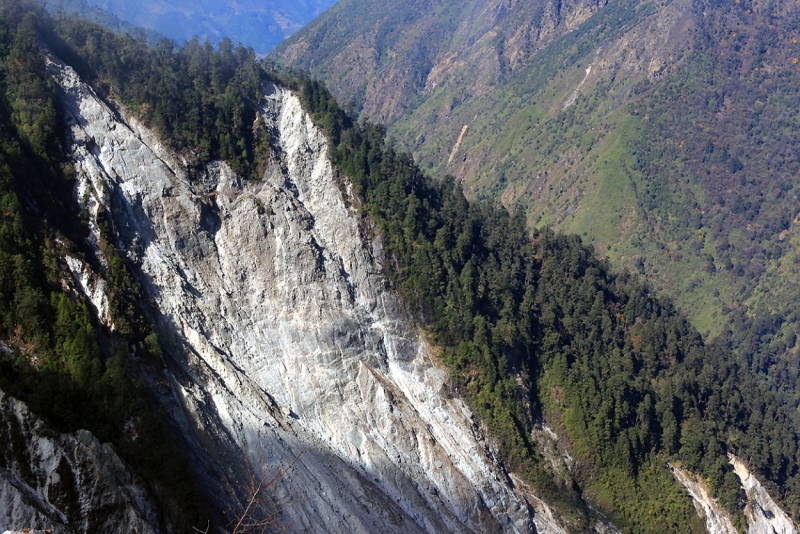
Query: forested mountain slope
283, 289
61, 373
549, 332
665, 133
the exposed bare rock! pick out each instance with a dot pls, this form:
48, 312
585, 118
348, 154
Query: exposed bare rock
65, 482
286, 346
763, 515
90, 285
717, 519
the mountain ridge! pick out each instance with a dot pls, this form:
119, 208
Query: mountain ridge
212, 374
299, 304
661, 132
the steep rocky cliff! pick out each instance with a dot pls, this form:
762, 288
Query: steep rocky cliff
716, 519
763, 515
65, 482
286, 348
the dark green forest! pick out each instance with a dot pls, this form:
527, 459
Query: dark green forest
203, 100
66, 367
532, 326
539, 326
737, 139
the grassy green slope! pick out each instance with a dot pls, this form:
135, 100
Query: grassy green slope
542, 328
723, 175
673, 155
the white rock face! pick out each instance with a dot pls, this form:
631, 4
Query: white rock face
285, 345
763, 515
92, 286
717, 519
65, 482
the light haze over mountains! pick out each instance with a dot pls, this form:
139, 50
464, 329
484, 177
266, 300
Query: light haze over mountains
261, 25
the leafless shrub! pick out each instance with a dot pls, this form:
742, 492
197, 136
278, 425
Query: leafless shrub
258, 512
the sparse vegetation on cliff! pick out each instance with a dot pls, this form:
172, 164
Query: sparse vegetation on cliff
531, 327
66, 367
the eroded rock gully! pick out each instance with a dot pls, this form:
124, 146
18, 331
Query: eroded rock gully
285, 344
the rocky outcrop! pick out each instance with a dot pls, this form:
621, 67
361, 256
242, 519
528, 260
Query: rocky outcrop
763, 515
717, 519
85, 282
65, 482
285, 346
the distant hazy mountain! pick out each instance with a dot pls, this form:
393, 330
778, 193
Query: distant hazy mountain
84, 10
261, 25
